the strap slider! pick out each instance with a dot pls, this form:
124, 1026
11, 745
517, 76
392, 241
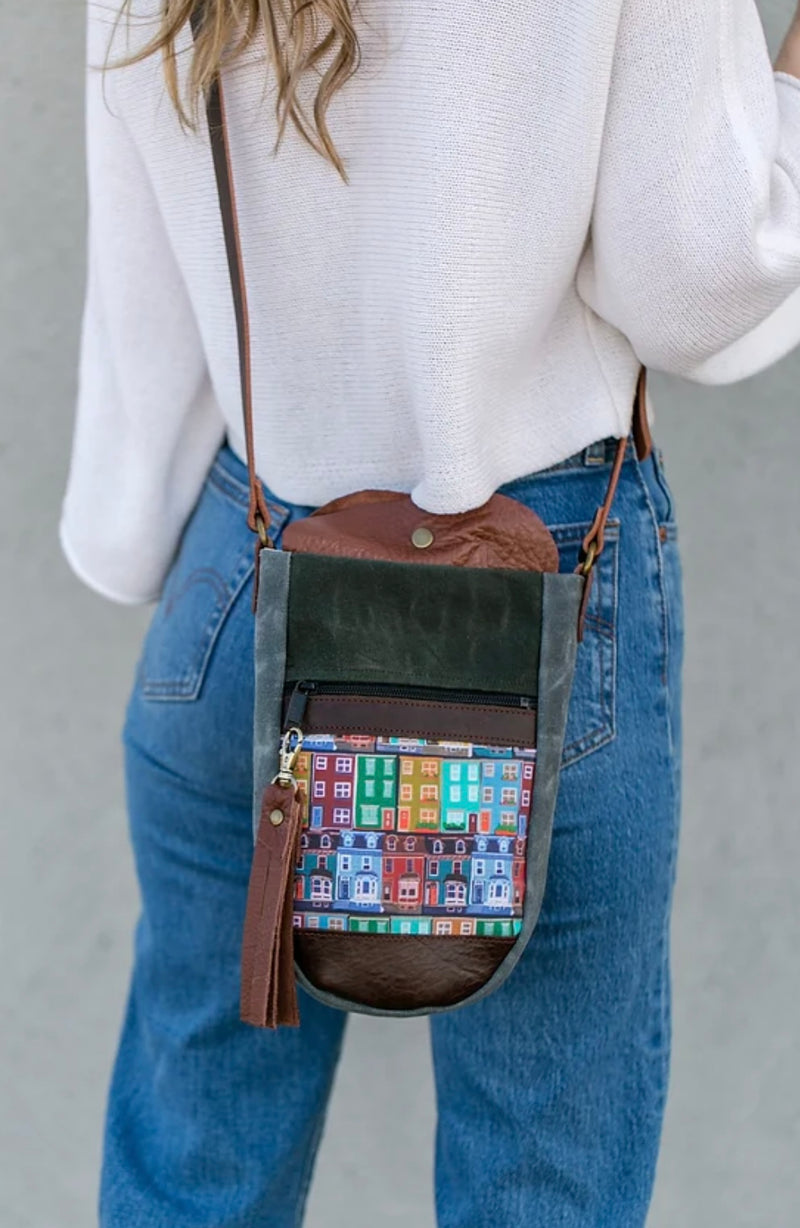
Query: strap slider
261, 528
587, 562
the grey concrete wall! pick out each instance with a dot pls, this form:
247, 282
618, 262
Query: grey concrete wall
67, 895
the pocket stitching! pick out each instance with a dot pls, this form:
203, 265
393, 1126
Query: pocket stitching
598, 737
188, 687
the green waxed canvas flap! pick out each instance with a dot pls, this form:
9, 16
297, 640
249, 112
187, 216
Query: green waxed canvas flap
362, 620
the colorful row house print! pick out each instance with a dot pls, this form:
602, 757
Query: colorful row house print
506, 789
376, 791
492, 878
302, 774
423, 746
359, 871
357, 742
428, 838
494, 927
321, 921
399, 873
461, 794
447, 873
419, 793
315, 874
348, 789
404, 859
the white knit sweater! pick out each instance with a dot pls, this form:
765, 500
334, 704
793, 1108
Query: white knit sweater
541, 196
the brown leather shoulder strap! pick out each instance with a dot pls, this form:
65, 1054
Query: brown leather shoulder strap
641, 426
258, 514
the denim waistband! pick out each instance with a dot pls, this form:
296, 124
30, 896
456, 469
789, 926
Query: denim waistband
229, 474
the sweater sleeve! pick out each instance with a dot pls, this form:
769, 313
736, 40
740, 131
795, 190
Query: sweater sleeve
694, 251
147, 423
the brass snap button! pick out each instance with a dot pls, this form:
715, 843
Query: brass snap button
422, 537
276, 817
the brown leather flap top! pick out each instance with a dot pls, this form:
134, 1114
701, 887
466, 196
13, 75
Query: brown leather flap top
387, 525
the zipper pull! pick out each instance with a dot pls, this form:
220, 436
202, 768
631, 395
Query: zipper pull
298, 701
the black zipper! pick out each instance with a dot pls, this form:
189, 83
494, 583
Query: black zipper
302, 691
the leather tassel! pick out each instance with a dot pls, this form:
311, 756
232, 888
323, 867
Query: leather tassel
269, 990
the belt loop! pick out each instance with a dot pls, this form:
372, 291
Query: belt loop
596, 453
279, 515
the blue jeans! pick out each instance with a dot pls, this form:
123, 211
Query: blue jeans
550, 1091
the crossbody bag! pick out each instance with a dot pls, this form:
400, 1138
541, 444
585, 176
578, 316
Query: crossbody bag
412, 679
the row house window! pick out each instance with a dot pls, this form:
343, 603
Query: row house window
367, 887
455, 893
387, 790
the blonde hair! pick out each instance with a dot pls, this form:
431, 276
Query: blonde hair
294, 45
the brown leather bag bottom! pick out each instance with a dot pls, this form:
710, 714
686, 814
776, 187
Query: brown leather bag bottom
399, 971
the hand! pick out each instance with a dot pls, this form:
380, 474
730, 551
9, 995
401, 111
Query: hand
789, 55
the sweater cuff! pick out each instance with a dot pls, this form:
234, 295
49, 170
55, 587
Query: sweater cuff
92, 581
767, 343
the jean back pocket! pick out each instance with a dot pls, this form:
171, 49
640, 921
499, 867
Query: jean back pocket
213, 564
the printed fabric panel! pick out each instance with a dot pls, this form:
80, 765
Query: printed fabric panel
412, 836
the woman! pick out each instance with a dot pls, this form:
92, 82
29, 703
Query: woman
457, 257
